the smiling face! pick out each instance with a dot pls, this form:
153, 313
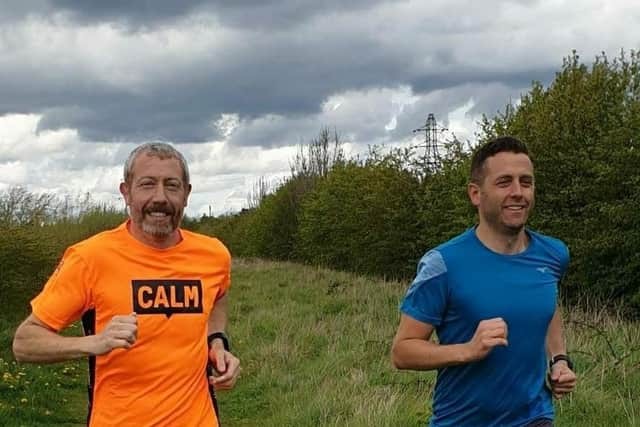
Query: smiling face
505, 195
156, 196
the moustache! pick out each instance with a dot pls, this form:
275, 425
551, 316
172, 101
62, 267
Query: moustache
160, 207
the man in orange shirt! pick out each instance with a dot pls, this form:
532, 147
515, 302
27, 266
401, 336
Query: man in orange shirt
153, 301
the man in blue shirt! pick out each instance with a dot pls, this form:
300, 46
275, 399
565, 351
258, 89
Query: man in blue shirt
491, 296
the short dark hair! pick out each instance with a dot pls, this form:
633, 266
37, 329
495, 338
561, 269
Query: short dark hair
491, 148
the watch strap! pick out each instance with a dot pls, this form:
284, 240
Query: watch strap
221, 336
558, 357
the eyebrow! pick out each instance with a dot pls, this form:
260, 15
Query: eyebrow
154, 178
511, 177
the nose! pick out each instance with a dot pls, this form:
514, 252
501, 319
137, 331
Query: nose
160, 193
516, 189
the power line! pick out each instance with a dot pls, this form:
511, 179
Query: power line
431, 159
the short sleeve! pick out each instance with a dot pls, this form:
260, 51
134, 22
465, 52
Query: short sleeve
67, 293
565, 258
426, 299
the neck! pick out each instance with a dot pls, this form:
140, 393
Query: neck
502, 242
156, 242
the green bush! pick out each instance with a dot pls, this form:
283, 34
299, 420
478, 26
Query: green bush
362, 217
584, 134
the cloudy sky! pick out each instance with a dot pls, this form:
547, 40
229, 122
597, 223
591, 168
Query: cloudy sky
236, 85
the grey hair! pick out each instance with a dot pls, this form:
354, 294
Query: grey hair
161, 150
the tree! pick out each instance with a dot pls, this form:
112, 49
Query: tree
584, 134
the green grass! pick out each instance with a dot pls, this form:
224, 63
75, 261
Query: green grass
40, 395
314, 346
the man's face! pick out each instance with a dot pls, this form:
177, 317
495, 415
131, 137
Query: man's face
506, 195
156, 195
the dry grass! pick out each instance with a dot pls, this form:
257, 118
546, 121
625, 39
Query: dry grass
315, 344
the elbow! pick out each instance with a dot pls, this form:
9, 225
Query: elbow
19, 346
396, 357
18, 349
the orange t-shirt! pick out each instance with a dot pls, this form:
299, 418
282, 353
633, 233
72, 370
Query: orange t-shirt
160, 380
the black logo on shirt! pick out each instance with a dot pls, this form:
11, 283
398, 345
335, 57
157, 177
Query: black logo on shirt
167, 296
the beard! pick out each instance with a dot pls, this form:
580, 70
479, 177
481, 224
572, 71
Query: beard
158, 230
495, 220
513, 229
159, 227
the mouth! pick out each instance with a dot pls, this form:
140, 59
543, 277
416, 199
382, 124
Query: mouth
157, 214
515, 208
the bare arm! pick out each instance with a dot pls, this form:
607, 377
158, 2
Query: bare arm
224, 362
555, 335
218, 317
36, 342
414, 349
563, 379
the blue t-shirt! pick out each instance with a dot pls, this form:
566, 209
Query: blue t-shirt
462, 282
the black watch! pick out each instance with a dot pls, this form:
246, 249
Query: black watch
219, 335
559, 357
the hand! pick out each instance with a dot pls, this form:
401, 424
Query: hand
120, 332
563, 380
489, 334
226, 368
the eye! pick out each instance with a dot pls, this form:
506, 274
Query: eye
173, 186
147, 184
526, 182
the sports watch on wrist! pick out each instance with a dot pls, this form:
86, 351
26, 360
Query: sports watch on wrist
558, 357
221, 336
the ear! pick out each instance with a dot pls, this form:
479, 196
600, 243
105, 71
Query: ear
473, 190
124, 190
186, 197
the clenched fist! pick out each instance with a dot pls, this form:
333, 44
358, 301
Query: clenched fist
489, 334
120, 332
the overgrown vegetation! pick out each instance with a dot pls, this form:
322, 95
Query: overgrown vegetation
314, 342
34, 230
314, 345
378, 215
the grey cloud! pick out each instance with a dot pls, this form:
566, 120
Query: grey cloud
287, 78
278, 79
13, 10
264, 14
274, 131
285, 72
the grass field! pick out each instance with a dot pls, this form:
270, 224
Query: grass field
314, 346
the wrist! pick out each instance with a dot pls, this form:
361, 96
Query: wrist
561, 358
218, 339
90, 345
467, 354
